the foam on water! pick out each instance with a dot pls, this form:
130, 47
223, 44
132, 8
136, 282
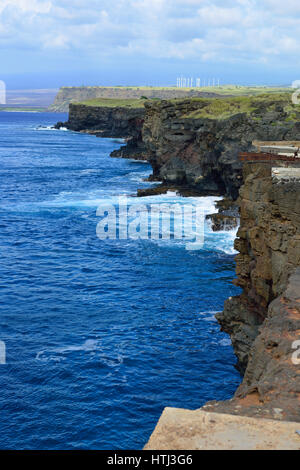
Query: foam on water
50, 128
222, 241
60, 353
91, 349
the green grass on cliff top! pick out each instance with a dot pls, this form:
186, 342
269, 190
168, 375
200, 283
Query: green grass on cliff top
218, 108
256, 106
223, 89
114, 103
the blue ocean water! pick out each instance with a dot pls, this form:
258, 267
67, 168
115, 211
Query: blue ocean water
100, 335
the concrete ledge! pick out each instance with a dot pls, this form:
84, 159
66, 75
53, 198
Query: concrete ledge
280, 173
179, 429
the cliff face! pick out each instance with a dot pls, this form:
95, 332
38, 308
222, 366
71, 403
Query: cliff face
269, 251
264, 321
203, 152
184, 146
271, 385
118, 122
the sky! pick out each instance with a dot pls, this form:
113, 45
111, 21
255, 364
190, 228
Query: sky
51, 43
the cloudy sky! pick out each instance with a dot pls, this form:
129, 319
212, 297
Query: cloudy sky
48, 43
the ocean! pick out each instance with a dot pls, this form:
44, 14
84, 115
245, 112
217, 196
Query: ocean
100, 334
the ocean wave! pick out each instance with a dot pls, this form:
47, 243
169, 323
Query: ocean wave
138, 177
208, 316
134, 160
222, 241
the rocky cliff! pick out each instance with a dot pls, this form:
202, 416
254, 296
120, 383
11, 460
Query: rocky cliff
192, 143
119, 122
107, 121
269, 251
197, 142
264, 321
264, 325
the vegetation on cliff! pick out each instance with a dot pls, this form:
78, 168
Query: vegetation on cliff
254, 106
67, 95
113, 103
191, 142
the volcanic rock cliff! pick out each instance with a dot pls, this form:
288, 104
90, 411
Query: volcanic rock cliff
119, 122
264, 321
195, 142
192, 143
107, 121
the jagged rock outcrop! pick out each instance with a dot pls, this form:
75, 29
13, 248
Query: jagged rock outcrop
269, 251
227, 217
264, 321
120, 122
203, 152
271, 385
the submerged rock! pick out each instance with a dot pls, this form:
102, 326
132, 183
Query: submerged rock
227, 217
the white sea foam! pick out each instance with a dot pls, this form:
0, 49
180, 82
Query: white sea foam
89, 171
134, 160
209, 312
221, 241
139, 177
91, 347
57, 353
225, 342
117, 140
49, 128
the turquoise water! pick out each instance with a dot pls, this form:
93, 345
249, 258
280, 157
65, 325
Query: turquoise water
100, 335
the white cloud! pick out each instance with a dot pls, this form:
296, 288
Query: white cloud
36, 6
218, 16
231, 31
